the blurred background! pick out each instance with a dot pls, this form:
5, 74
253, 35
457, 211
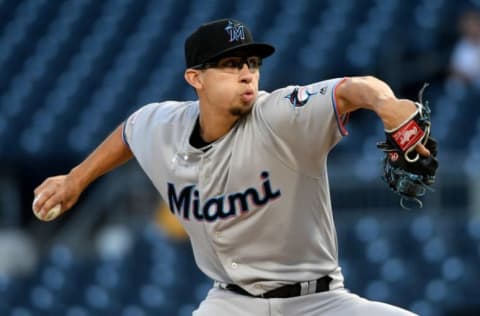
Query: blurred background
72, 70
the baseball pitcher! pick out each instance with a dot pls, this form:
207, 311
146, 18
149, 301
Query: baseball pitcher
245, 171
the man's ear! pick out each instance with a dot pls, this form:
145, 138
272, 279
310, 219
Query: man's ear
193, 77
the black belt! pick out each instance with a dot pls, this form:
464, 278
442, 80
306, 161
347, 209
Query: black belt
285, 291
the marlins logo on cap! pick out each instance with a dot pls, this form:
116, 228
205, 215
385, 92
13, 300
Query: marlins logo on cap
235, 30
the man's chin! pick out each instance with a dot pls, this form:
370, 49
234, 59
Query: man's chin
241, 111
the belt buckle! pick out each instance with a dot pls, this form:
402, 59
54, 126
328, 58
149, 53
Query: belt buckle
308, 287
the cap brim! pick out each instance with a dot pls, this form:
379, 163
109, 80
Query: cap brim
261, 50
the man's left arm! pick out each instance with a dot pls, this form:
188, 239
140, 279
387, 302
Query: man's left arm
410, 162
373, 94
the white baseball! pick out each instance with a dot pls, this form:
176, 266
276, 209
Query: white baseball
51, 214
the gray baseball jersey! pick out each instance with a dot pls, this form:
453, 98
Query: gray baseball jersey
256, 202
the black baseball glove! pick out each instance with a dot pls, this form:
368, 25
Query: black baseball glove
408, 173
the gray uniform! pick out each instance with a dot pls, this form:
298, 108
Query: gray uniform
256, 202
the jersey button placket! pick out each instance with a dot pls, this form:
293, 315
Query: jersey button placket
204, 174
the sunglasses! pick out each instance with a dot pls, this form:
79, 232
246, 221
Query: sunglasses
233, 64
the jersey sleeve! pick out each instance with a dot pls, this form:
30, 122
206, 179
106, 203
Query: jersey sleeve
136, 129
306, 120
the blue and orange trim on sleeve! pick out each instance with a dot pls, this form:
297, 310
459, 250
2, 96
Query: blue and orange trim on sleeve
341, 120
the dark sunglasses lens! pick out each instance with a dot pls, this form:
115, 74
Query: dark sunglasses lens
254, 62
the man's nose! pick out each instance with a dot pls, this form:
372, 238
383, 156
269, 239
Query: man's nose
246, 74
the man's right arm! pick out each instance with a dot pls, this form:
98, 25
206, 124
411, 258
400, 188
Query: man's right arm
66, 189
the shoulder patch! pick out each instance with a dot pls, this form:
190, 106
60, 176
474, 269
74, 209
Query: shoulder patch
299, 96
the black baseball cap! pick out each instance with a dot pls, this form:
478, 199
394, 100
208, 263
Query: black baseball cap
221, 38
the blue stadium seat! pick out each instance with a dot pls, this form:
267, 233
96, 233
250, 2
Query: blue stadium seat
424, 307
379, 250
378, 290
186, 310
21, 311
77, 311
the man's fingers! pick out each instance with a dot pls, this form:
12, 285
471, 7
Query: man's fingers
35, 205
47, 208
49, 204
44, 192
422, 150
49, 184
52, 198
40, 199
42, 187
